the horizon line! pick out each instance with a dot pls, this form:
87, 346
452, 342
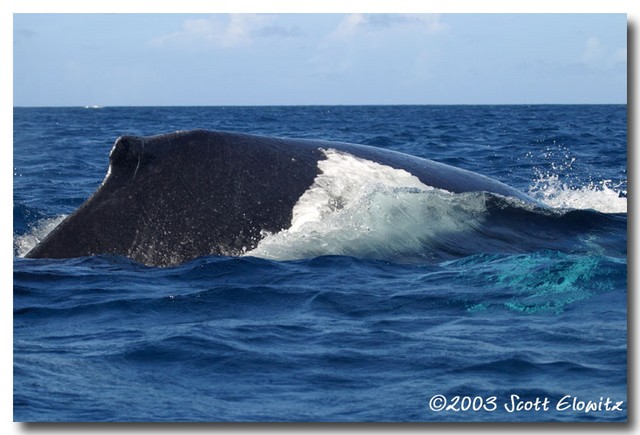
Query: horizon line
98, 106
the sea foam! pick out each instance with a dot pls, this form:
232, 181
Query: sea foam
599, 196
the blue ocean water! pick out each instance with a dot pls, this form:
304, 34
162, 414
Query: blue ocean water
496, 304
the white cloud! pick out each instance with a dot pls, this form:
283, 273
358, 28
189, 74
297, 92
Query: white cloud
349, 25
618, 56
594, 52
598, 57
226, 31
355, 23
367, 43
241, 27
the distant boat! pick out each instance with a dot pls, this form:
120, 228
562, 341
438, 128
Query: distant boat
93, 107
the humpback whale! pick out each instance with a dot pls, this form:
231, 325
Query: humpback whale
170, 198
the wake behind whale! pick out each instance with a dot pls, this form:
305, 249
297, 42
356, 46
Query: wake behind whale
170, 198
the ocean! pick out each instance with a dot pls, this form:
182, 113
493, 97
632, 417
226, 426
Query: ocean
403, 306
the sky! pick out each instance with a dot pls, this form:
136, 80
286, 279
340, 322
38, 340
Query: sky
300, 59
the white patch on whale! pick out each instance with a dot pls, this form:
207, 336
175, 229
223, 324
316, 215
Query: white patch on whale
342, 179
362, 208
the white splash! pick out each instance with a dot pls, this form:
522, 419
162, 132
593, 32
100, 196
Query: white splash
26, 242
599, 196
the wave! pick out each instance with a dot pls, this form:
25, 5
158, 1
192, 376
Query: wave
541, 282
401, 224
